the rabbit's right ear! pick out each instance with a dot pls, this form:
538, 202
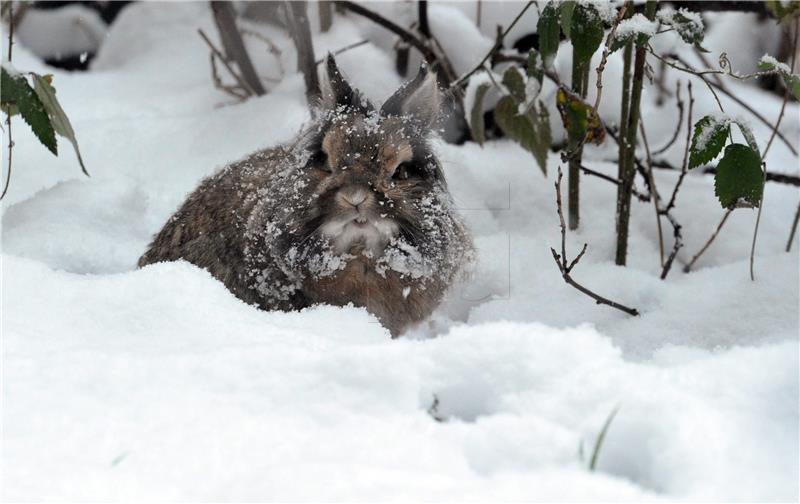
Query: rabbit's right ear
420, 98
336, 91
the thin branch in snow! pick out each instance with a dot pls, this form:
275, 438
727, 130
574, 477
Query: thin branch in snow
565, 267
688, 267
786, 94
215, 53
677, 126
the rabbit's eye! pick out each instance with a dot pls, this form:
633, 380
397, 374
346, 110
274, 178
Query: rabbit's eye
320, 160
405, 171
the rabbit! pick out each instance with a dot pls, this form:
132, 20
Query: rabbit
355, 210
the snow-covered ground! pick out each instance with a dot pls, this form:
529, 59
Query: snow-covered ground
126, 384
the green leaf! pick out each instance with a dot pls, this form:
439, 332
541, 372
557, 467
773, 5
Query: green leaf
783, 11
739, 176
513, 80
476, 123
566, 9
16, 91
793, 83
549, 32
586, 32
543, 137
708, 140
523, 128
791, 80
60, 121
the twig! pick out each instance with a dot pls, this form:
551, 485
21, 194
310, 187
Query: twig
344, 49
224, 61
691, 71
724, 90
239, 93
589, 171
606, 51
404, 34
496, 47
8, 115
654, 192
676, 246
565, 267
786, 93
794, 229
685, 164
688, 267
678, 126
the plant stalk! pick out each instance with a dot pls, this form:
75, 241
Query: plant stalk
631, 130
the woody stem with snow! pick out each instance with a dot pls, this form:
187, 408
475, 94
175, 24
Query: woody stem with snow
628, 167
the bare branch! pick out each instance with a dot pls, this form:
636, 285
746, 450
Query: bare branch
221, 57
689, 266
606, 51
794, 229
685, 164
495, 48
786, 94
677, 126
566, 267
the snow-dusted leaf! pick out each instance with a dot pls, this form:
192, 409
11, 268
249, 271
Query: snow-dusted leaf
739, 176
513, 81
688, 25
749, 137
586, 32
60, 121
770, 64
549, 31
15, 90
476, 123
710, 134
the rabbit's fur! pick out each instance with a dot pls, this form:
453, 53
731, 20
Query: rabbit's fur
355, 211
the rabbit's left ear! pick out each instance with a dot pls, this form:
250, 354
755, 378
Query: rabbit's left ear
419, 98
334, 87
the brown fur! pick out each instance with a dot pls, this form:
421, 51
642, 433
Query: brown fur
259, 225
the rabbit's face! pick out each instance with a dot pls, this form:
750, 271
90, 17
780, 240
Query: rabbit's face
372, 169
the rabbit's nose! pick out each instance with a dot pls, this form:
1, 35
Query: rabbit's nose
355, 197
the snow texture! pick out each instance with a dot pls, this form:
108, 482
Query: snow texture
637, 24
125, 384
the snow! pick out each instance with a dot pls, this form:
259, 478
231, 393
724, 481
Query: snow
125, 384
780, 66
71, 30
637, 24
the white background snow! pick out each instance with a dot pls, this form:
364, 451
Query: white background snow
126, 384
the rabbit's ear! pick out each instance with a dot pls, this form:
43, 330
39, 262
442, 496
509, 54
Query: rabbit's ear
420, 98
334, 88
